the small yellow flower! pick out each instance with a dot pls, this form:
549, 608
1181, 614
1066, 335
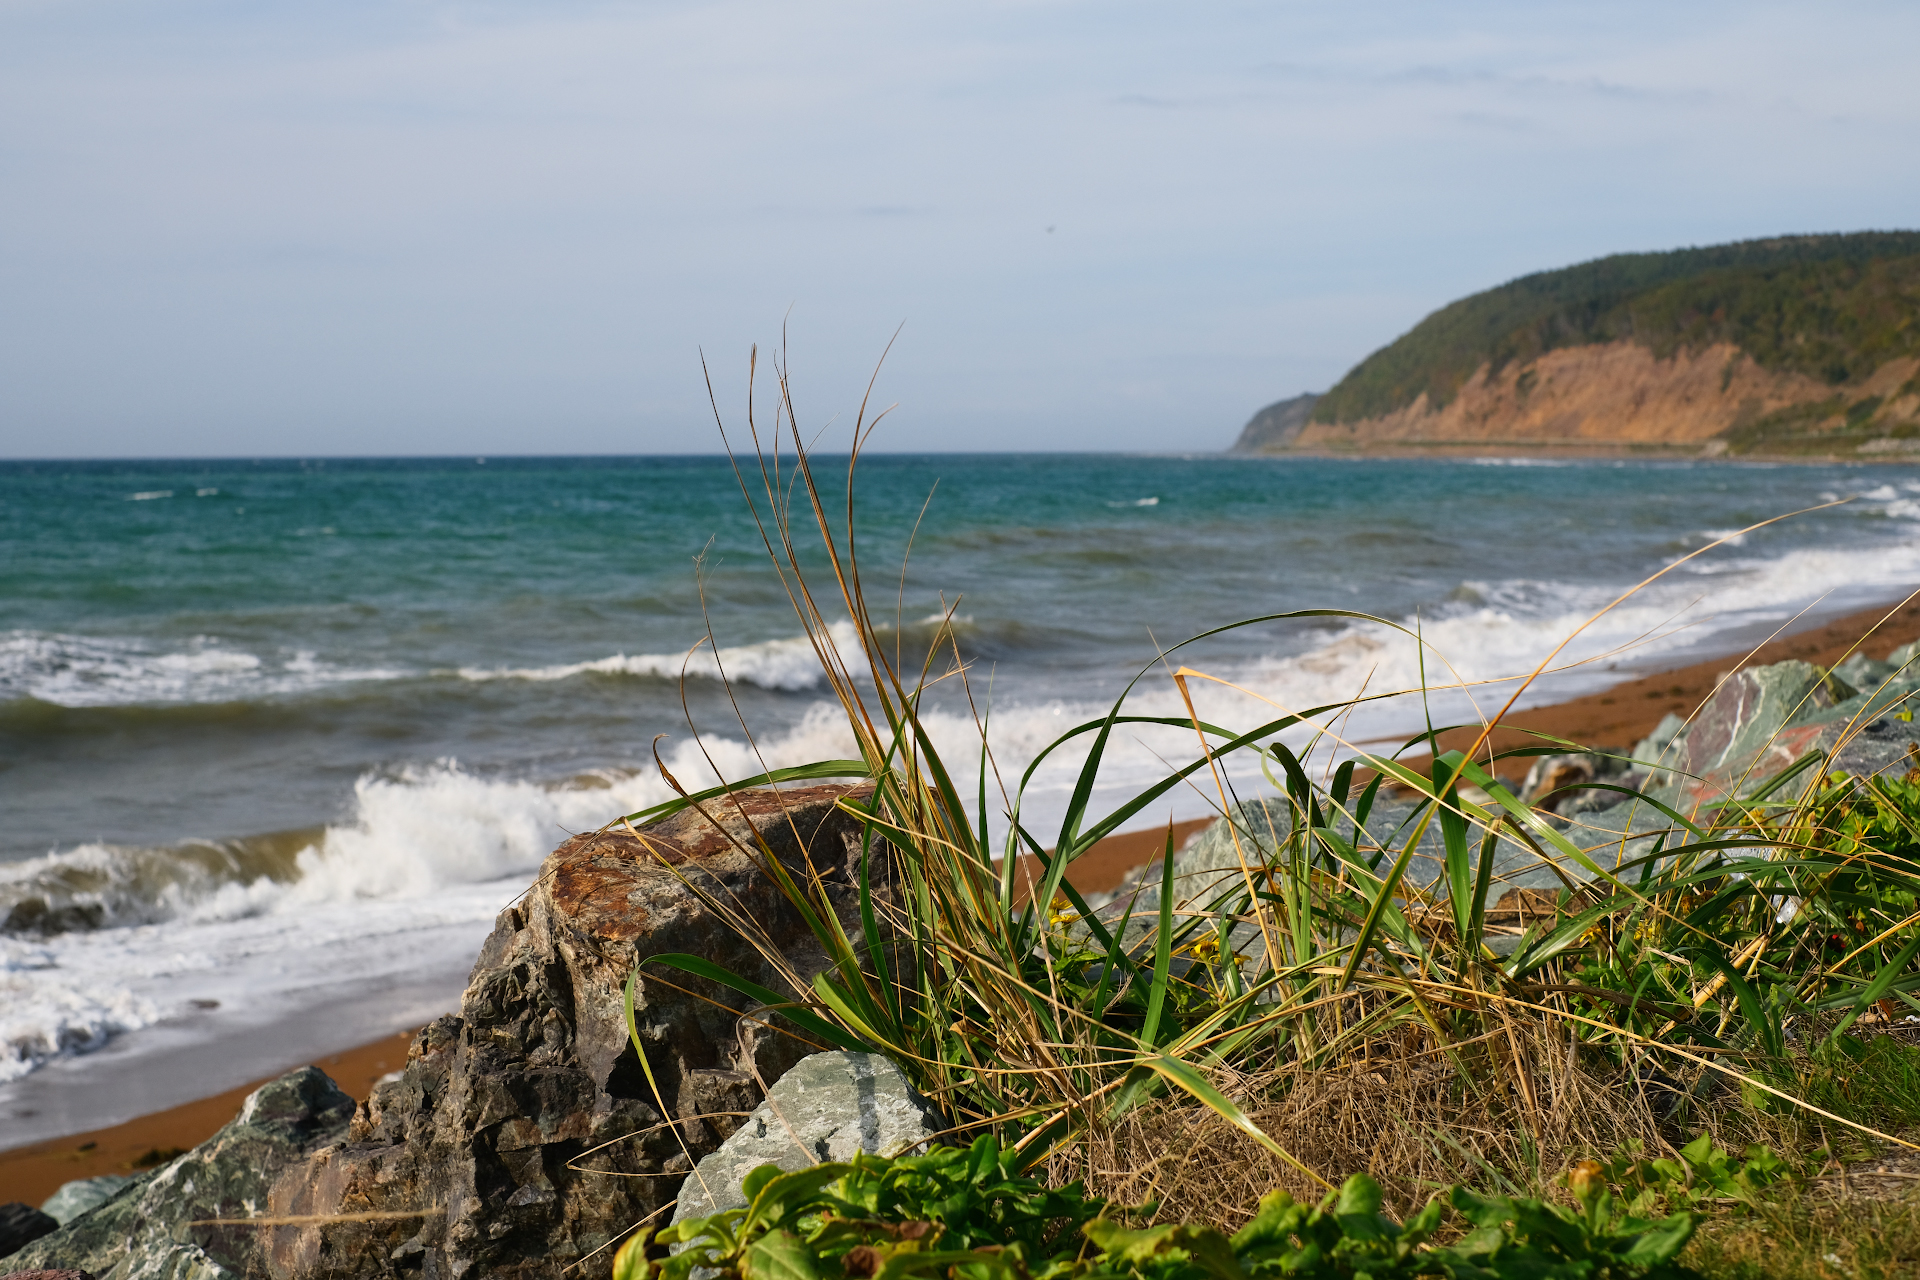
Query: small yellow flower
1585, 1180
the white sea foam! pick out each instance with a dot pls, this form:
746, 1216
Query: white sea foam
1520, 462
92, 671
45, 1014
787, 664
427, 859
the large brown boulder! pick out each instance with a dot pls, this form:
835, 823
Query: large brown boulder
523, 1134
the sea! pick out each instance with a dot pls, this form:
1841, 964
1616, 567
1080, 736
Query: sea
279, 738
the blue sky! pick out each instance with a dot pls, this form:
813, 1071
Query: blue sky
395, 226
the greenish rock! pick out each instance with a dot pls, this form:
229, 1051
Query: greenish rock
177, 1223
83, 1194
1863, 672
830, 1106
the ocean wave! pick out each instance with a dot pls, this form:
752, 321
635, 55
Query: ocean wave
412, 832
1518, 623
91, 671
786, 665
109, 939
45, 1014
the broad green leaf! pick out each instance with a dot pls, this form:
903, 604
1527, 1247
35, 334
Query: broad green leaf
631, 1262
779, 1255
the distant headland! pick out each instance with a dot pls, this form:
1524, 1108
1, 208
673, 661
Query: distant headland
1794, 347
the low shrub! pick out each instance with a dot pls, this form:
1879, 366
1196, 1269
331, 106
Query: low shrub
970, 1215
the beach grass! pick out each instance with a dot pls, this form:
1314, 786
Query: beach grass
1337, 1005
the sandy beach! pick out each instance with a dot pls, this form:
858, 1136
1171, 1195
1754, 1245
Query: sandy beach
1615, 717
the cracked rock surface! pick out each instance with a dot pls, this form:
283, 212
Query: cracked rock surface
830, 1106
524, 1135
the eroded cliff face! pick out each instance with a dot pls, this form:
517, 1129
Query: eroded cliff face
1622, 395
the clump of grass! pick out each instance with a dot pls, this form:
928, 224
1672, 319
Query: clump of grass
1410, 1120
1812, 1239
1331, 1008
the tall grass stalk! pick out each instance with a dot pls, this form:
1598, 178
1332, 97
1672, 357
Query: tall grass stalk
1663, 965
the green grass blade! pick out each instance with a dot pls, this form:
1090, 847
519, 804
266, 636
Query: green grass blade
1162, 948
800, 1016
817, 771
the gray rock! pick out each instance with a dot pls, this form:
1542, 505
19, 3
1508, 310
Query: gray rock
77, 1197
1761, 720
1656, 751
830, 1106
524, 1134
178, 1222
21, 1225
1563, 784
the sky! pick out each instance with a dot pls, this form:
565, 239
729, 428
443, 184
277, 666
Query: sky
406, 227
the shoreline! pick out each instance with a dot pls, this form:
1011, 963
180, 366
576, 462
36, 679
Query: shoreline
1574, 451
1615, 717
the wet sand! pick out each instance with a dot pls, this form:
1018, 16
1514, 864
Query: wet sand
1618, 716
33, 1173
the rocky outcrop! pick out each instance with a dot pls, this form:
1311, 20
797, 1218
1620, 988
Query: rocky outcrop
188, 1220
1762, 719
524, 1134
830, 1106
1276, 426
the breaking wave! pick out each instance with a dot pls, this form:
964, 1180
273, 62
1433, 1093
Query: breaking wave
89, 671
787, 664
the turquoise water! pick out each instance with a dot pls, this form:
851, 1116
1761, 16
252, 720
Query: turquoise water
235, 692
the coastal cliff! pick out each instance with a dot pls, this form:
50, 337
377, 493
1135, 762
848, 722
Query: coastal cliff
1802, 346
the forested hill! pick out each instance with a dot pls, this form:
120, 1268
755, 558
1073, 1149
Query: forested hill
1796, 346
1831, 307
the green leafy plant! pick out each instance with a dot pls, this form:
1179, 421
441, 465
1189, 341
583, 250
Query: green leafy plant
1702, 1174
1516, 1237
969, 1215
